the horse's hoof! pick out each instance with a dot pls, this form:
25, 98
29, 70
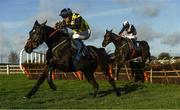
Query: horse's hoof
53, 87
118, 94
115, 78
95, 95
27, 97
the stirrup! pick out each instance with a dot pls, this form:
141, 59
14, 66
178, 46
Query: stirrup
85, 51
73, 45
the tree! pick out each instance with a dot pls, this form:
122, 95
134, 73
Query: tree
13, 57
153, 58
164, 55
2, 57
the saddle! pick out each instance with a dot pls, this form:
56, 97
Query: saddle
79, 51
83, 49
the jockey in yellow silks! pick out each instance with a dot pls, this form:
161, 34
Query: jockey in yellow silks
79, 27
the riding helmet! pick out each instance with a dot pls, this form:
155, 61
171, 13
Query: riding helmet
65, 12
126, 24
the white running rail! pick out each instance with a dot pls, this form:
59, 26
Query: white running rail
10, 69
34, 57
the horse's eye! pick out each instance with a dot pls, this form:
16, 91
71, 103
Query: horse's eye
36, 39
33, 30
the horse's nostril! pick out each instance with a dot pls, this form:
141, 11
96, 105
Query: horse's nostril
103, 44
28, 50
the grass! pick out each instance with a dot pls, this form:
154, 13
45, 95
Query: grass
78, 95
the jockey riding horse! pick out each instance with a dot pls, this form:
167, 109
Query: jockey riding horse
60, 56
80, 28
124, 52
129, 31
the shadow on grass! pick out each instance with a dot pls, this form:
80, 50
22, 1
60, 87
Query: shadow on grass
131, 87
127, 88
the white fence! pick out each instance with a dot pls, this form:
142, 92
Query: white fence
39, 57
34, 57
166, 61
167, 69
10, 69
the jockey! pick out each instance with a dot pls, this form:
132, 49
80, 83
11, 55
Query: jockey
79, 26
129, 31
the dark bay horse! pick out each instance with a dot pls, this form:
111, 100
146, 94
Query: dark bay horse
59, 56
123, 51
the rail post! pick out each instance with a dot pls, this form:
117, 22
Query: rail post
7, 69
116, 71
151, 75
127, 72
146, 77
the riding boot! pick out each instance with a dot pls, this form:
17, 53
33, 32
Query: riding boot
77, 55
134, 43
85, 53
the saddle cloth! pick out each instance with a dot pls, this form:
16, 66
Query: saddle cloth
134, 48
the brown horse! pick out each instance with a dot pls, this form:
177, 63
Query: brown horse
123, 51
60, 54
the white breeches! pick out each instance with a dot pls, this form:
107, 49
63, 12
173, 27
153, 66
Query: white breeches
82, 35
129, 36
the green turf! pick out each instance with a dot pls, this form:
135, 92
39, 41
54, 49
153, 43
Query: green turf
78, 95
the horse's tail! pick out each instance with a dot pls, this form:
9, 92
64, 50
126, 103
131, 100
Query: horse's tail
106, 56
145, 43
101, 56
149, 53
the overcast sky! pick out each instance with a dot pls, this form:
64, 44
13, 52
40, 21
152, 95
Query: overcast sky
156, 21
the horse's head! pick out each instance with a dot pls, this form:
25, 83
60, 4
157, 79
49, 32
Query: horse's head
36, 37
107, 38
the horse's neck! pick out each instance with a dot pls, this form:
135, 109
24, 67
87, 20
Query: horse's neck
48, 30
55, 38
118, 40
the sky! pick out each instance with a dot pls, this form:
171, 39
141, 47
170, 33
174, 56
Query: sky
156, 21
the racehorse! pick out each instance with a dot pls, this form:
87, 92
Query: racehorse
124, 51
60, 55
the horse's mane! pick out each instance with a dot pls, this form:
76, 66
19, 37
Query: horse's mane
116, 36
57, 31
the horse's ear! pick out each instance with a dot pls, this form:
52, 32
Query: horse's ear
36, 22
106, 30
44, 23
111, 30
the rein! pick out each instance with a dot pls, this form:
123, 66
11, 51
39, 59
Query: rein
59, 44
123, 45
54, 32
133, 52
119, 38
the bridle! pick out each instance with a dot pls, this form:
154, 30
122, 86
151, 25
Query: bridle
42, 33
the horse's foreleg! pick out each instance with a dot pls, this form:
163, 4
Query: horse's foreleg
37, 85
95, 86
88, 73
111, 81
117, 70
50, 80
